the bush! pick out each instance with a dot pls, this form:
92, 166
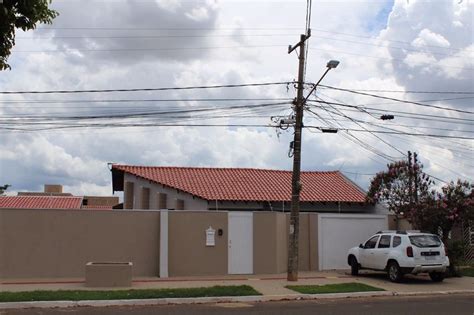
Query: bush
456, 257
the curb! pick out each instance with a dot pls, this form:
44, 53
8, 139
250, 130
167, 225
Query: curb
225, 299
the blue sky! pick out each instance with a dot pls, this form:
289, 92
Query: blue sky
374, 26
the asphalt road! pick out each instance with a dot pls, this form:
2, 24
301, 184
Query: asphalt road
447, 304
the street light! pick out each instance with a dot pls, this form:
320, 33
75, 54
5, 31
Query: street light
332, 64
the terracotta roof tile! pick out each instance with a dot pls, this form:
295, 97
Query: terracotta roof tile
40, 202
246, 184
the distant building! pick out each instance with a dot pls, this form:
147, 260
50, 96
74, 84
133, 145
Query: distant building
53, 197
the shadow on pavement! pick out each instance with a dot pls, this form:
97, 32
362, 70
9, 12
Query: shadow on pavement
407, 279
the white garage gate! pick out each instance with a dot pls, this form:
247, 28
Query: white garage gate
339, 232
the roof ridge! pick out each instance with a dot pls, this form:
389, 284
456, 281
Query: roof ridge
222, 168
42, 196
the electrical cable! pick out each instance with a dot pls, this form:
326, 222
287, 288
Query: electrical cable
398, 100
148, 89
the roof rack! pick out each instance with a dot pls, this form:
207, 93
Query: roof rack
398, 231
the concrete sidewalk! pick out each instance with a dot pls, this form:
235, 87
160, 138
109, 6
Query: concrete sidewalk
272, 287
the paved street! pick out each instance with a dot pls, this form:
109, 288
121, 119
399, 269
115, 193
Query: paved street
445, 304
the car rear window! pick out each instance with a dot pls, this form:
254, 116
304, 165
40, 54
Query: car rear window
425, 240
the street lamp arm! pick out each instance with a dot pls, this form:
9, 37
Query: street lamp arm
316, 85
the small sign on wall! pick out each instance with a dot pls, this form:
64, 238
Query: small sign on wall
210, 237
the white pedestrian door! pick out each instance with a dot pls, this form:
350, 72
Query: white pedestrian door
240, 243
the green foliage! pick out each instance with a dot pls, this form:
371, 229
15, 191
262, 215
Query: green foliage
333, 288
443, 210
23, 14
456, 250
467, 272
400, 186
407, 192
78, 295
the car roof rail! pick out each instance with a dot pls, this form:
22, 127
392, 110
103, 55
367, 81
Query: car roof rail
386, 231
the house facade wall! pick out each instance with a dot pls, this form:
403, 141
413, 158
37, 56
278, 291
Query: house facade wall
175, 198
172, 195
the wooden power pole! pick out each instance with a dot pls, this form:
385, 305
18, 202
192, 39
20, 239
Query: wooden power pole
296, 181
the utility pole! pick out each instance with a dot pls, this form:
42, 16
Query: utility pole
296, 186
415, 170
410, 179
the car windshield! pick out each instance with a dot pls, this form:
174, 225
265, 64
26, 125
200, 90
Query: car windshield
425, 240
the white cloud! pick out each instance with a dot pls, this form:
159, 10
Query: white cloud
425, 46
428, 38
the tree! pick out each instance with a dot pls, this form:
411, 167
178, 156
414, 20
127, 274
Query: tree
407, 192
401, 186
443, 210
23, 14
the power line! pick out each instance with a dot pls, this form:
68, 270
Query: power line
400, 125
407, 114
153, 113
168, 28
379, 138
461, 150
388, 40
411, 92
154, 36
138, 125
144, 49
401, 133
393, 47
398, 100
147, 89
231, 35
234, 29
137, 101
383, 58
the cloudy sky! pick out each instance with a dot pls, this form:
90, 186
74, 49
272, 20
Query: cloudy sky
403, 46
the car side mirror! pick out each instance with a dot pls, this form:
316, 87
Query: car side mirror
361, 246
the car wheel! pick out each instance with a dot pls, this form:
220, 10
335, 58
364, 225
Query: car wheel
437, 276
354, 266
394, 272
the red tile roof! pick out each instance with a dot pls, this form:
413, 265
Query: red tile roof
40, 202
245, 184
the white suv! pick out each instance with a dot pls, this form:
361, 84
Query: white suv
399, 253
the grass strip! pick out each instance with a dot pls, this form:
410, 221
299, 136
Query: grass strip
333, 288
78, 295
467, 272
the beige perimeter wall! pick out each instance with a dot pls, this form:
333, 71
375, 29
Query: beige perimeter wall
187, 251
58, 243
271, 242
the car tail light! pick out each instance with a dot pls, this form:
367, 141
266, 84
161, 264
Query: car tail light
410, 251
445, 250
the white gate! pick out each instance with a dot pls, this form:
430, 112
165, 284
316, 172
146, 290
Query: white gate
240, 243
337, 233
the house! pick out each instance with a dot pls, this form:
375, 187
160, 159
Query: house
241, 189
234, 221
53, 197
